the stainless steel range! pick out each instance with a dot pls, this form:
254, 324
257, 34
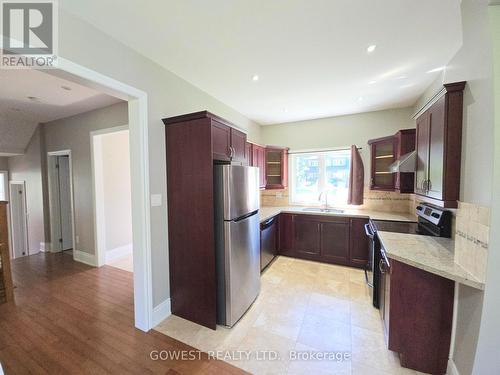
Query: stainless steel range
432, 221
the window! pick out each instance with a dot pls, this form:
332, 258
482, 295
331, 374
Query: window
3, 186
315, 172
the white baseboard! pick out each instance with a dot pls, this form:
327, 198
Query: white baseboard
161, 312
118, 252
83, 257
44, 246
452, 368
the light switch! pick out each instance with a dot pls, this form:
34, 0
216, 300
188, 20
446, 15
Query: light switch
156, 200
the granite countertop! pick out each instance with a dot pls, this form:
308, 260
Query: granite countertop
268, 212
431, 254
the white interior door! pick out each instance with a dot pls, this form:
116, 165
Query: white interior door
65, 203
18, 219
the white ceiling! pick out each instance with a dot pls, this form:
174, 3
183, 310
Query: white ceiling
310, 55
20, 115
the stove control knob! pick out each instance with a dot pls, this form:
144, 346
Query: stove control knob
420, 208
436, 215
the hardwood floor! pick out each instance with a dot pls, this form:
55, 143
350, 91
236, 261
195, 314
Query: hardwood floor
72, 318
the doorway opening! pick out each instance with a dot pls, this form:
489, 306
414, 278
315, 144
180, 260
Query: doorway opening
110, 153
26, 159
61, 201
18, 219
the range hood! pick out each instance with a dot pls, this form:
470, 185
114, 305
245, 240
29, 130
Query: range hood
406, 163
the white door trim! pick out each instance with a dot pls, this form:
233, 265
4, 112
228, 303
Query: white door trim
51, 197
99, 222
6, 183
7, 198
25, 221
139, 169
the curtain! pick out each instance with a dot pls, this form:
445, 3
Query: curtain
356, 178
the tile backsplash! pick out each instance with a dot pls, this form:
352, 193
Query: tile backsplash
472, 232
388, 201
275, 198
373, 200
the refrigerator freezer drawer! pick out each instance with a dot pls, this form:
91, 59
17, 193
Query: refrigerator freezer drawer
241, 264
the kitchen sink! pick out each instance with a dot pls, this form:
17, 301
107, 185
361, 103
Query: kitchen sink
326, 210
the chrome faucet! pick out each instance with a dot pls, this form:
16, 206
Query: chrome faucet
326, 198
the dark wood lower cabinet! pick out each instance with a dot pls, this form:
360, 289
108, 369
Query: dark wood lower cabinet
335, 241
329, 239
307, 236
286, 234
417, 311
358, 246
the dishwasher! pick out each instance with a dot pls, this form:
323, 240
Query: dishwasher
268, 241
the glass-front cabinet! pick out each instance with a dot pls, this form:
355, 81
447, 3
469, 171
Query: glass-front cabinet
276, 168
383, 154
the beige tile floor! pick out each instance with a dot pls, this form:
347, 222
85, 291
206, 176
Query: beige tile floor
304, 307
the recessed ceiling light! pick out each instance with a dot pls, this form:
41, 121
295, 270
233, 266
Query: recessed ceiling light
33, 98
438, 69
67, 88
372, 82
401, 77
255, 78
371, 48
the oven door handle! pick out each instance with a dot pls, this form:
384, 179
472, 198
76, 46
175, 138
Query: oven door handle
368, 231
366, 278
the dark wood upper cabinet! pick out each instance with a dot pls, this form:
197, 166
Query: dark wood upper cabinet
228, 143
238, 144
221, 141
405, 143
423, 131
259, 160
358, 253
249, 152
276, 167
383, 154
439, 148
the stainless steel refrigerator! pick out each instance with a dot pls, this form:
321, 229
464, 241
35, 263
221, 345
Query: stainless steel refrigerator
237, 240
